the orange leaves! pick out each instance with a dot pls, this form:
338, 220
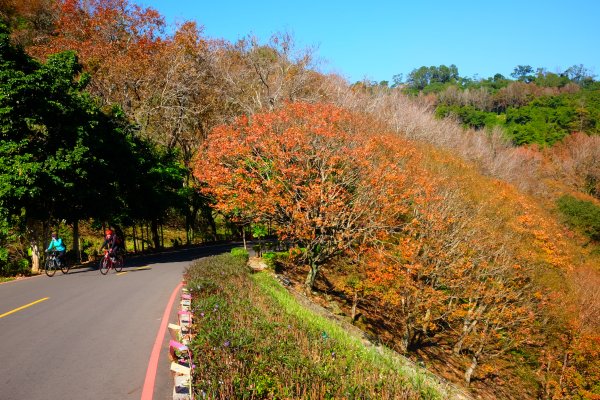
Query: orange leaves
101, 30
324, 176
451, 276
166, 83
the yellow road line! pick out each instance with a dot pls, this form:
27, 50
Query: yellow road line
135, 269
23, 307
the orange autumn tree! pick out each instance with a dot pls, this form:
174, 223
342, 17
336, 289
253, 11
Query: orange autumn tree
328, 179
445, 279
166, 83
114, 39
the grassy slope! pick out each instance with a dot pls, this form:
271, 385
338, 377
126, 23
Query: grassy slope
254, 340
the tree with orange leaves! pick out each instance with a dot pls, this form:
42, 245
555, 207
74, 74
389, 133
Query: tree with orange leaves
31, 21
165, 83
443, 278
327, 179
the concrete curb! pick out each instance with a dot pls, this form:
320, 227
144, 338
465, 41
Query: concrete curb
180, 355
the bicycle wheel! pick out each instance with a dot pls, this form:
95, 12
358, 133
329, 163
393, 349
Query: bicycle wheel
118, 265
104, 266
65, 267
50, 267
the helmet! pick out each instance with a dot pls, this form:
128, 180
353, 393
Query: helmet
109, 232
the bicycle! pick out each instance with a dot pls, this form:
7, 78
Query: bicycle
53, 262
106, 263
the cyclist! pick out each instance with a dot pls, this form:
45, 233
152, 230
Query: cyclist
120, 238
111, 242
57, 245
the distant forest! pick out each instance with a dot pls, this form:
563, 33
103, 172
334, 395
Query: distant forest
536, 106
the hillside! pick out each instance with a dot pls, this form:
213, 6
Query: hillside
443, 263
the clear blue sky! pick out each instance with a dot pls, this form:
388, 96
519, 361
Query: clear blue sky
378, 39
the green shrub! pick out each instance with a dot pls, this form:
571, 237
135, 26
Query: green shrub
269, 259
272, 257
240, 252
14, 268
582, 215
469, 116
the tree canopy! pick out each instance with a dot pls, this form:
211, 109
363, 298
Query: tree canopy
326, 179
62, 157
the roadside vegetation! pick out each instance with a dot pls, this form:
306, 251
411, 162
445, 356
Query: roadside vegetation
254, 340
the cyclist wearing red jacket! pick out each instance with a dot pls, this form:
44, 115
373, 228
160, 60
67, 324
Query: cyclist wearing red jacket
111, 242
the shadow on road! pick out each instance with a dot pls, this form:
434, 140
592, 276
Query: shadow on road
180, 255
142, 262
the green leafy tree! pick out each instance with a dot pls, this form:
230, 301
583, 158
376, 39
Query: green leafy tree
544, 121
469, 116
61, 157
397, 80
523, 73
549, 79
581, 214
580, 75
424, 76
154, 186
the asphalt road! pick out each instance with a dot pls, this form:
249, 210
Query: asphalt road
88, 336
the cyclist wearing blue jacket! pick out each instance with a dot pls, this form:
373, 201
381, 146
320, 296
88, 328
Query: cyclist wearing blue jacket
56, 244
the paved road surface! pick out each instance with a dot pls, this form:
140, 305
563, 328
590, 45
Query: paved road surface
89, 336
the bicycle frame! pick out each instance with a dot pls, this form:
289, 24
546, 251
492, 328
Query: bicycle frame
52, 264
106, 263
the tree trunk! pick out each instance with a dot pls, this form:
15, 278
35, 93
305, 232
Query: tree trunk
311, 277
35, 258
142, 236
354, 305
426, 320
469, 371
76, 248
207, 213
162, 237
405, 341
34, 232
244, 237
260, 251
564, 367
474, 362
458, 346
469, 324
188, 228
155, 236
134, 236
